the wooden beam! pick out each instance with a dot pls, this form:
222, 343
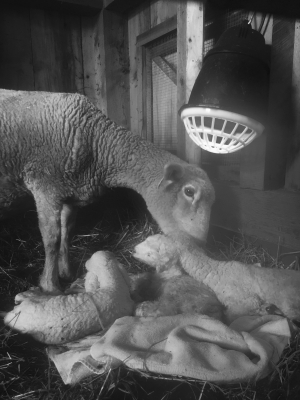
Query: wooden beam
190, 39
157, 32
116, 67
82, 7
121, 6
106, 64
166, 68
264, 160
287, 9
273, 216
94, 82
293, 166
138, 22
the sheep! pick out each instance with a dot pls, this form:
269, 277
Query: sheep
169, 290
242, 289
63, 151
58, 319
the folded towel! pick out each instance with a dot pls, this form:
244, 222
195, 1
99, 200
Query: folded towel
193, 346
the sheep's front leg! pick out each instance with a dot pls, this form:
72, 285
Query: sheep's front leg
49, 213
68, 218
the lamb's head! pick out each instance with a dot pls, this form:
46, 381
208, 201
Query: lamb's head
185, 197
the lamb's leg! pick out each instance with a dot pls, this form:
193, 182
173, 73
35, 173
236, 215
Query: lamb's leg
49, 212
68, 218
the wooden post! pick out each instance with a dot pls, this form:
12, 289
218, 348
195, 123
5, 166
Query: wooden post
106, 64
138, 22
264, 161
190, 30
293, 166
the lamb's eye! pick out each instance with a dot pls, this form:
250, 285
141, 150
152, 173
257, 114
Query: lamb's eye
189, 192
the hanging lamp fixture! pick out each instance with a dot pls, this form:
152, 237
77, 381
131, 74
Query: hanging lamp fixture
227, 108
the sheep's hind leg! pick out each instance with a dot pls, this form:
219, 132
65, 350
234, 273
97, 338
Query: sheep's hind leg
49, 212
68, 218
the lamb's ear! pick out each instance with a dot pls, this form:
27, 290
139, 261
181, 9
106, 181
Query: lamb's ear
173, 172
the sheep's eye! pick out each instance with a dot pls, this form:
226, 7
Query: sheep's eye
189, 192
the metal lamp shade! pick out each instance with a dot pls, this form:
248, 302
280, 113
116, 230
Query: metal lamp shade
233, 83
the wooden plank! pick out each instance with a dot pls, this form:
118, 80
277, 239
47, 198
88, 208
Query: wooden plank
166, 68
293, 168
121, 6
264, 161
156, 32
190, 32
162, 10
16, 70
94, 82
287, 9
138, 22
78, 7
269, 215
56, 48
116, 67
72, 54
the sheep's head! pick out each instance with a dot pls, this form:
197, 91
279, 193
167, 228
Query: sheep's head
186, 196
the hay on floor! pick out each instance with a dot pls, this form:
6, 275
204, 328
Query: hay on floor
25, 371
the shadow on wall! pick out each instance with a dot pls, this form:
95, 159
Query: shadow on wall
226, 211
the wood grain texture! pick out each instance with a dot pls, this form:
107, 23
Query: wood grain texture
264, 164
55, 46
93, 60
190, 36
162, 10
16, 70
293, 166
273, 216
138, 23
116, 67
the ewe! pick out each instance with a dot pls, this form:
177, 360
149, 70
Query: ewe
60, 149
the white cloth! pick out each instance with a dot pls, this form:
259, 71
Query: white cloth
193, 346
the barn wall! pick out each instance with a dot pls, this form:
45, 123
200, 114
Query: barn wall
59, 51
264, 199
40, 50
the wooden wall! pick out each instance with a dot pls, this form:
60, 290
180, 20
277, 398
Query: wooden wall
59, 51
265, 200
40, 50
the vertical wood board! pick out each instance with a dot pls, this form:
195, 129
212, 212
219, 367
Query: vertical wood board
293, 165
16, 70
264, 162
117, 67
94, 60
190, 39
162, 10
55, 44
138, 22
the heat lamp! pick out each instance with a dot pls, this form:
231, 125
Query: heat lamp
227, 107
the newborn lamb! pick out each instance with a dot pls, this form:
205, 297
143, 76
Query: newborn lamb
59, 319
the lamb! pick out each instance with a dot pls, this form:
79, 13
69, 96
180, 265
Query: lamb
60, 149
241, 289
63, 318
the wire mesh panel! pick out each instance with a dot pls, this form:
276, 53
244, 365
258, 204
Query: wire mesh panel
162, 98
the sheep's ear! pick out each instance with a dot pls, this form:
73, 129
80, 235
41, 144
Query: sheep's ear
173, 172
